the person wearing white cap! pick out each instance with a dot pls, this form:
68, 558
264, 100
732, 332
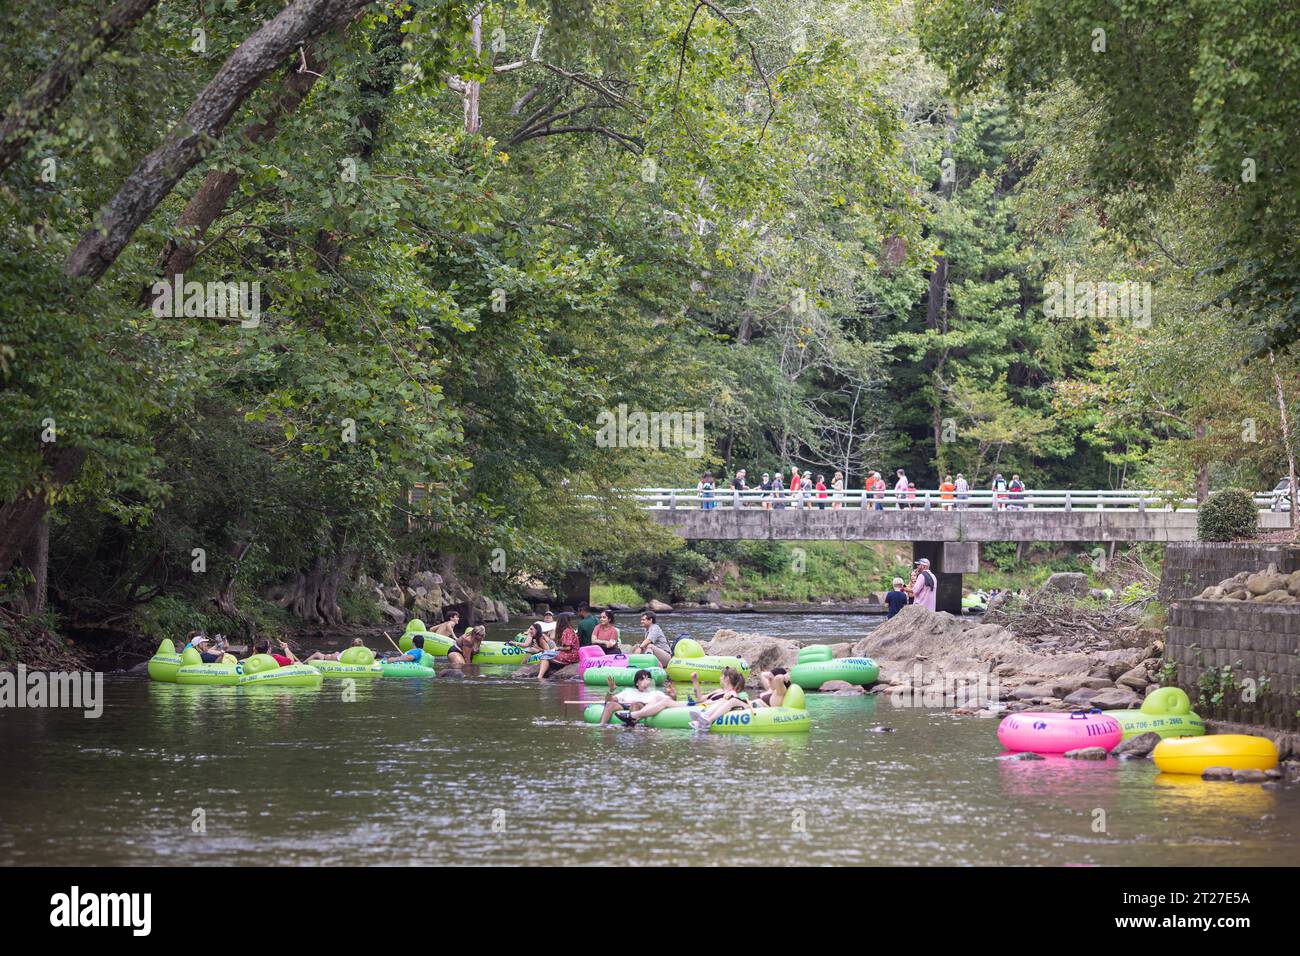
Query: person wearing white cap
199, 641
924, 585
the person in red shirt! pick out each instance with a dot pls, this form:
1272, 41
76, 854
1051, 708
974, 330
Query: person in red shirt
263, 646
821, 491
567, 652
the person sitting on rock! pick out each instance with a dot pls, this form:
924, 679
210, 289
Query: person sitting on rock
335, 655
605, 635
566, 653
656, 641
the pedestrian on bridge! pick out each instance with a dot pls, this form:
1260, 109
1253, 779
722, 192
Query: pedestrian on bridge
963, 490
901, 488
946, 491
1017, 491
705, 489
999, 491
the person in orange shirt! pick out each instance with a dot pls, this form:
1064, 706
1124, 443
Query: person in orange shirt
946, 491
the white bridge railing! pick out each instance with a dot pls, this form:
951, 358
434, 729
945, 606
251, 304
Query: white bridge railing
655, 499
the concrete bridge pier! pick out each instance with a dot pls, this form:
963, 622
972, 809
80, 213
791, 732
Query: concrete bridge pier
949, 560
575, 589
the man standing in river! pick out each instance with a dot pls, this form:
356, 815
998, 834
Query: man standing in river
925, 586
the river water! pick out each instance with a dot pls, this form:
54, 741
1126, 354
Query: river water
484, 769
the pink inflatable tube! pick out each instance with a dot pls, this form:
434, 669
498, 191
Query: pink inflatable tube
594, 656
1055, 733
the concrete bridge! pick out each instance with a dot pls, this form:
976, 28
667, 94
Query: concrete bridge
947, 529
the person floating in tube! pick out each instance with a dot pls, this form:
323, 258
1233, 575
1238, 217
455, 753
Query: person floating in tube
630, 702
733, 683
416, 653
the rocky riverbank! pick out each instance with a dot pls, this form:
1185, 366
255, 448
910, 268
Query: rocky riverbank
429, 595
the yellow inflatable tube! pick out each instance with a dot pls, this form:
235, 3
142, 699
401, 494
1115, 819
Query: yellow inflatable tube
689, 658
1196, 754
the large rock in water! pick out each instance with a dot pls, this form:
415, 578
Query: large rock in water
760, 652
1139, 746
658, 607
957, 645
1073, 583
1115, 698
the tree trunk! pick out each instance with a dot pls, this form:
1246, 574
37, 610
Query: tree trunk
1286, 441
209, 200
472, 121
189, 141
1203, 470
936, 307
36, 558
313, 596
21, 518
26, 116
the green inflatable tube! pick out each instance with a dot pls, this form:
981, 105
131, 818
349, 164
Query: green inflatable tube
193, 672
817, 665
792, 719
353, 662
263, 670
436, 644
500, 652
1167, 712
623, 676
165, 663
689, 658
408, 668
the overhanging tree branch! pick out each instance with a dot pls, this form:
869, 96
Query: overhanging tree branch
190, 140
27, 115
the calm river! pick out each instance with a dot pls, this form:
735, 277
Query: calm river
483, 769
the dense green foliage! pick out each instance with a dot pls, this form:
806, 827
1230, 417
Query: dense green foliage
830, 229
1227, 515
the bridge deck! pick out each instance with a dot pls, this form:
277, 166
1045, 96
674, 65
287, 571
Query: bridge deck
1050, 516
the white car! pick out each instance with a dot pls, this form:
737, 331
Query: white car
1282, 495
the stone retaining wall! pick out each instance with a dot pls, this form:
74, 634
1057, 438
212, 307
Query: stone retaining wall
1192, 567
1256, 640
